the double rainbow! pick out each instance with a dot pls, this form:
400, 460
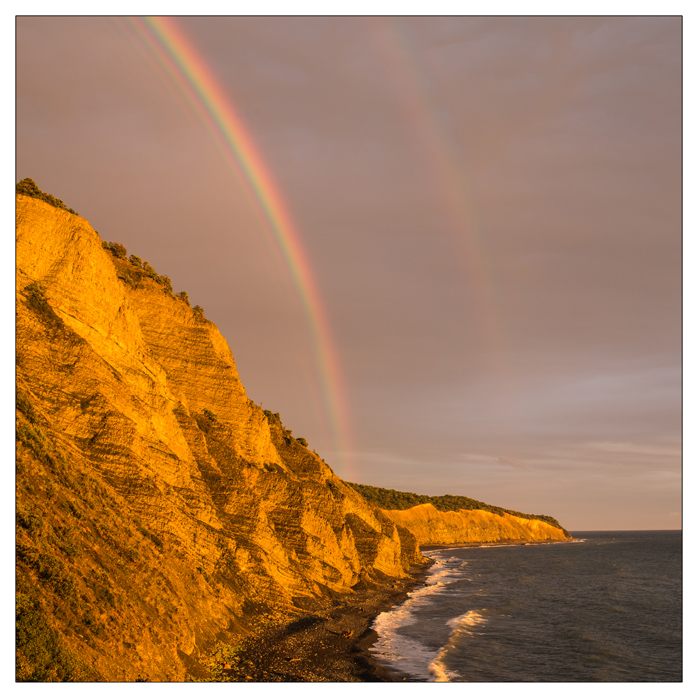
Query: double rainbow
174, 51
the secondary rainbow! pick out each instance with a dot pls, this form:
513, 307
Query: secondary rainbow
196, 81
452, 185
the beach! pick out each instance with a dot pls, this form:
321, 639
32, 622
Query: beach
330, 644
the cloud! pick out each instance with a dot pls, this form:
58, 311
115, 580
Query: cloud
510, 462
669, 451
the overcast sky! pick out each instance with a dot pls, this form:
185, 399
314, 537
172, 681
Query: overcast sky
491, 209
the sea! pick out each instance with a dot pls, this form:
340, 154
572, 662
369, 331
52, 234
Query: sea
606, 607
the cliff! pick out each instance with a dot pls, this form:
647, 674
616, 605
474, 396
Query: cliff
160, 511
434, 527
162, 516
448, 520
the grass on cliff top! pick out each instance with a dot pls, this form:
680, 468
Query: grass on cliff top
131, 270
138, 268
29, 188
389, 499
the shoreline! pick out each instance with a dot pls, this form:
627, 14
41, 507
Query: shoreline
329, 644
497, 543
332, 642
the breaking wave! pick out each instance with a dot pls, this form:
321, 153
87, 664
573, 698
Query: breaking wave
461, 626
404, 652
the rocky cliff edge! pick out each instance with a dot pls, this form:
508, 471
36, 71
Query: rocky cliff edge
160, 511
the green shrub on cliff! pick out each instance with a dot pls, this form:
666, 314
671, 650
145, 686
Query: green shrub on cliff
273, 417
41, 655
165, 282
36, 297
148, 270
36, 300
29, 188
118, 250
389, 499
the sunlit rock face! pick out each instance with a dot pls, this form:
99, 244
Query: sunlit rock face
189, 511
160, 511
435, 527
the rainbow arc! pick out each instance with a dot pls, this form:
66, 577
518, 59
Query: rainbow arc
174, 51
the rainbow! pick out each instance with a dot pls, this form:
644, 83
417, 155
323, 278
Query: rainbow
452, 187
195, 80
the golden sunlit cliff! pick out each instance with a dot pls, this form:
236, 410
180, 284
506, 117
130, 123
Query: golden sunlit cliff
450, 520
435, 527
161, 513
186, 507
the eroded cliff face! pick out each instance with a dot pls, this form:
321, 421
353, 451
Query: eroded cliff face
436, 527
159, 509
162, 515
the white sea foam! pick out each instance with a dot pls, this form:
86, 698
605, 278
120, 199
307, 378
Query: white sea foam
398, 650
439, 673
461, 626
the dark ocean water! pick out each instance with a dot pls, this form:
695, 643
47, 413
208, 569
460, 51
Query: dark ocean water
604, 608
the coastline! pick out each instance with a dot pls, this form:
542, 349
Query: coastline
329, 644
332, 642
496, 543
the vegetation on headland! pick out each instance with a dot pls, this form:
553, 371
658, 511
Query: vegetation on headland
55, 505
81, 556
132, 270
274, 419
29, 188
130, 274
390, 499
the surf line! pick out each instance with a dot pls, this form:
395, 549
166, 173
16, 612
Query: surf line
195, 80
